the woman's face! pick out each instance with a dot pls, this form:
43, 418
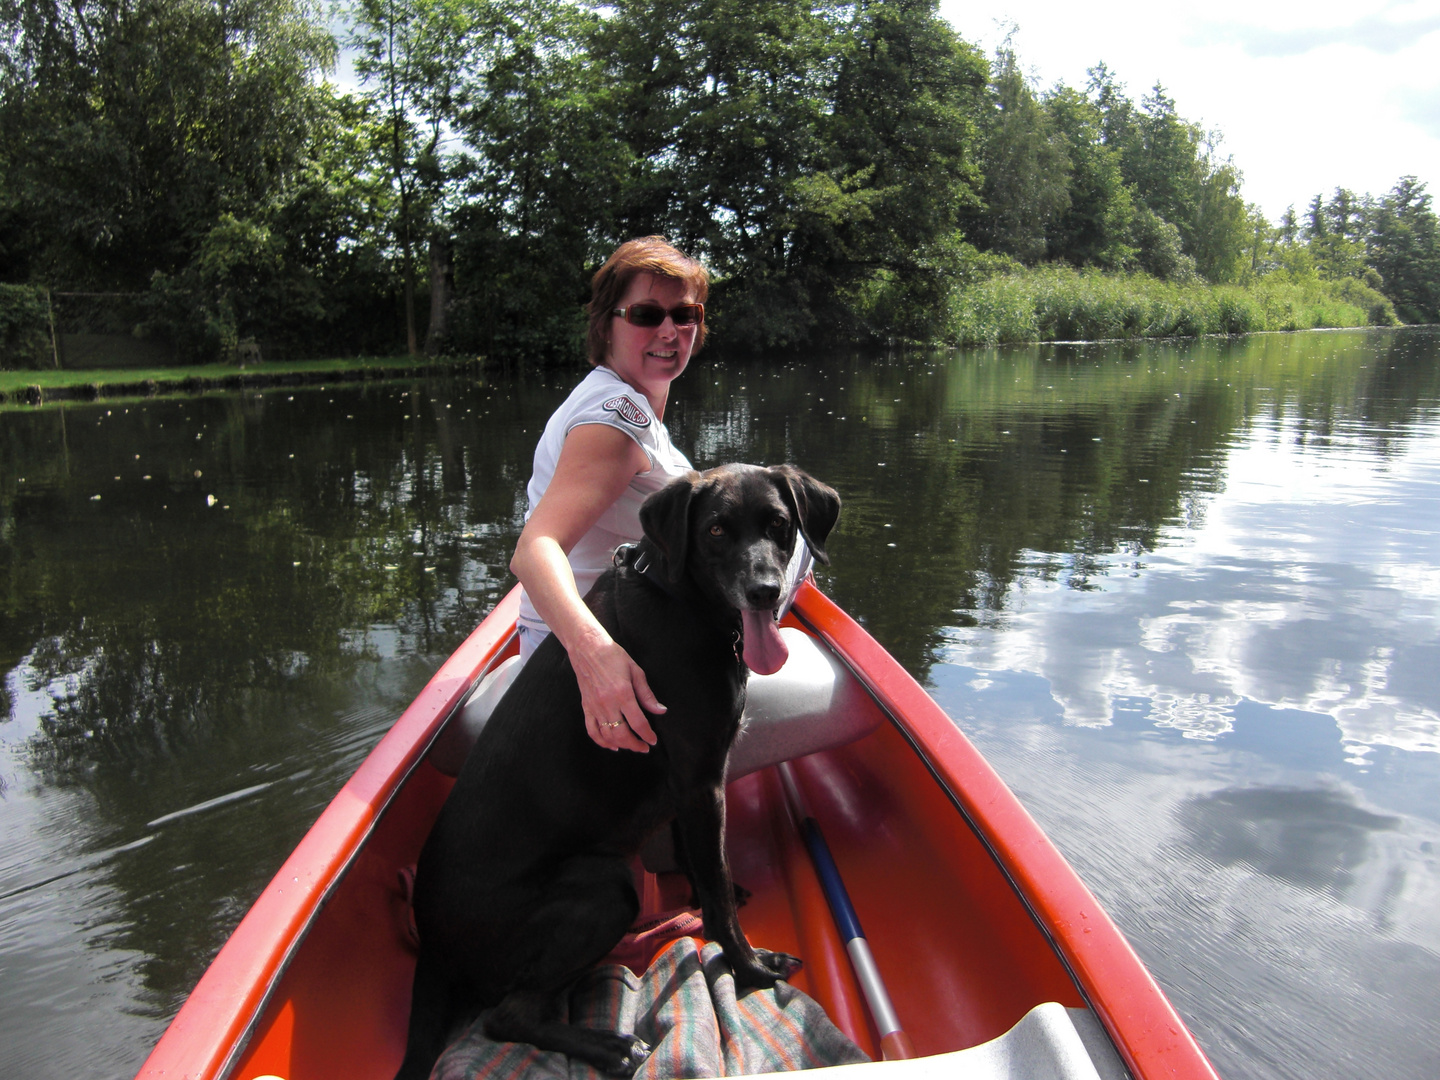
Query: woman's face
650, 358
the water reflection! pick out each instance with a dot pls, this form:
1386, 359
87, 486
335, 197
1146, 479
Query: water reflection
214, 609
1311, 584
1316, 838
1185, 596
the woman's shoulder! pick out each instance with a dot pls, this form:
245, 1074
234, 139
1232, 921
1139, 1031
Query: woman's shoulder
603, 397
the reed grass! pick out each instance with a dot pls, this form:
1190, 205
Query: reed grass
1057, 303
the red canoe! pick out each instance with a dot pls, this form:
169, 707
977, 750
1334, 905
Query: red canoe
975, 921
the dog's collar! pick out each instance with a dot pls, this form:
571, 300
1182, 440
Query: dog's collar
641, 558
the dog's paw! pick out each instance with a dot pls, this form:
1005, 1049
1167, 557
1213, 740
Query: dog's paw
622, 1055
768, 969
782, 964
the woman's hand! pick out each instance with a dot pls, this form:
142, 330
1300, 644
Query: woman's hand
613, 692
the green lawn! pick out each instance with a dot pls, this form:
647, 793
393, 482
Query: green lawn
65, 383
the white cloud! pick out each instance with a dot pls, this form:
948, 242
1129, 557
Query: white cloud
1421, 108
1309, 97
1373, 33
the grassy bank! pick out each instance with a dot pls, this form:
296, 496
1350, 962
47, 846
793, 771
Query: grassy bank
1062, 304
35, 386
1049, 303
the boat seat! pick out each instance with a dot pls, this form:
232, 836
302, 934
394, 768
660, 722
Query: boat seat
1050, 1042
812, 703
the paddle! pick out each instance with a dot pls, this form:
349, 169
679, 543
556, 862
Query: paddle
894, 1043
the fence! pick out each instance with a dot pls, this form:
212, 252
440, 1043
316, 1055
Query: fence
43, 328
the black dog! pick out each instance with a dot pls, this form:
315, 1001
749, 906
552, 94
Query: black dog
524, 881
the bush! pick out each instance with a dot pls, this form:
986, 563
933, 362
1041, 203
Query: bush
1237, 312
1379, 311
24, 327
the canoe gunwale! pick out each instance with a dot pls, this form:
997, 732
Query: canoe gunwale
1144, 1027
918, 747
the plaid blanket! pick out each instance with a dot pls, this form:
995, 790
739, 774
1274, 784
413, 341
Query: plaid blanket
686, 1008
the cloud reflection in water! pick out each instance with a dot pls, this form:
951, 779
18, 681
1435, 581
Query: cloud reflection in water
1310, 582
1235, 740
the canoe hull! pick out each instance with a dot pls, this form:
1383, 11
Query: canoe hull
973, 917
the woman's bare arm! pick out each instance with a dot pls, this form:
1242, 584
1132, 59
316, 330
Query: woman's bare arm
596, 464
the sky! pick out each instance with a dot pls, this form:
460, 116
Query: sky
1309, 97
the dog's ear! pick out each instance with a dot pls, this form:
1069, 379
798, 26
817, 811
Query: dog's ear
816, 506
665, 517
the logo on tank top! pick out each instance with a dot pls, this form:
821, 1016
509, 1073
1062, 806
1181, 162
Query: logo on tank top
627, 410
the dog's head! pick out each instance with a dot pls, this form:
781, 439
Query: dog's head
732, 529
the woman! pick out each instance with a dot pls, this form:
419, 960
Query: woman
603, 451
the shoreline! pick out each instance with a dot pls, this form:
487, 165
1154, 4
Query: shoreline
37, 387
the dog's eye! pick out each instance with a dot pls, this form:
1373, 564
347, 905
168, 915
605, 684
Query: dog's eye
779, 523
717, 530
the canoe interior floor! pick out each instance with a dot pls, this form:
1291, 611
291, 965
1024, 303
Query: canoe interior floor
962, 958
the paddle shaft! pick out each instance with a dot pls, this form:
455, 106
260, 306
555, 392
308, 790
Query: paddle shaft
894, 1043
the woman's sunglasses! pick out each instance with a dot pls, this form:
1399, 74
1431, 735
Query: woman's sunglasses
649, 316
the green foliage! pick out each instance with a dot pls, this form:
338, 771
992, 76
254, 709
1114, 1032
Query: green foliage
24, 326
543, 174
137, 136
901, 140
1334, 234
413, 57
1159, 248
815, 157
237, 273
1222, 222
1175, 172
1095, 228
1380, 254
128, 127
1058, 303
851, 172
1027, 167
1404, 249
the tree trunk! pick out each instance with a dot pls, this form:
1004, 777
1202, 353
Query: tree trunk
442, 285
411, 340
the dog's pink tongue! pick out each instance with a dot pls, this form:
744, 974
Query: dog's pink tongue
765, 650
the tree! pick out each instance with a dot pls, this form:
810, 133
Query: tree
412, 55
1289, 227
1404, 248
304, 272
721, 107
544, 182
1027, 169
1221, 229
1176, 173
1262, 243
1095, 228
190, 151
129, 127
1165, 164
878, 229
816, 157
1334, 232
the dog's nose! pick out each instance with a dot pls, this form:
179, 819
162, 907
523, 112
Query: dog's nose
760, 597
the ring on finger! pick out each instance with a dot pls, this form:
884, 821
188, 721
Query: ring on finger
612, 723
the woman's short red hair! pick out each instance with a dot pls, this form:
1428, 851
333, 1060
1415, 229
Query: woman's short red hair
647, 255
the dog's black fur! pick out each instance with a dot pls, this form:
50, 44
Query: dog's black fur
524, 881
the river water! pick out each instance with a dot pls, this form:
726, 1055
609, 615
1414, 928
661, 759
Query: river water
1184, 596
